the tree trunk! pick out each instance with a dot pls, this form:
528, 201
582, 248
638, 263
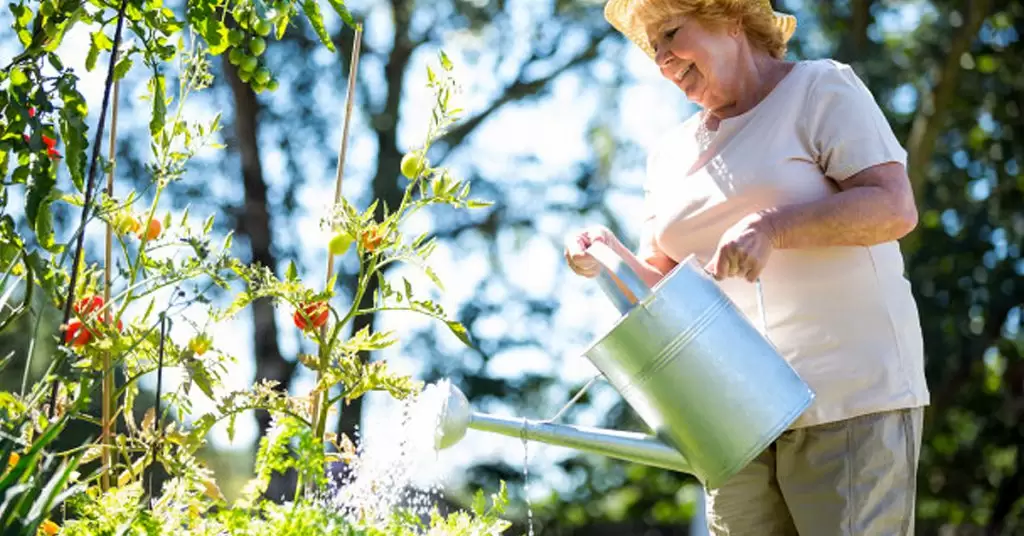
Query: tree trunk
254, 223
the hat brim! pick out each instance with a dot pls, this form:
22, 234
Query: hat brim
617, 13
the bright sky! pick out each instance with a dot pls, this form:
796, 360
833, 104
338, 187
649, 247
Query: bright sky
554, 130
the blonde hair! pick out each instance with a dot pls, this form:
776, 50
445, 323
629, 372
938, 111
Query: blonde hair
755, 17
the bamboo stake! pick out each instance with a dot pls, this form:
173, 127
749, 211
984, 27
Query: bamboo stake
87, 200
339, 174
107, 402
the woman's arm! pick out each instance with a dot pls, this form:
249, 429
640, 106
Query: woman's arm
649, 262
875, 205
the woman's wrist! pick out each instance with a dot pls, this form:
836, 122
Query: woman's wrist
769, 222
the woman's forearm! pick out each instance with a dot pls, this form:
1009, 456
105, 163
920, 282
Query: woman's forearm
649, 273
861, 216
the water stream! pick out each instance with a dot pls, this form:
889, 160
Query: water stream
392, 468
526, 480
388, 470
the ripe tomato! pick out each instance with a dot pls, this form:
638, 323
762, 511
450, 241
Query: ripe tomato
76, 335
88, 305
152, 232
317, 312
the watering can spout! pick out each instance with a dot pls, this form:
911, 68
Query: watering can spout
458, 417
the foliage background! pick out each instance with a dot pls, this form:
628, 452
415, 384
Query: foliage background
559, 110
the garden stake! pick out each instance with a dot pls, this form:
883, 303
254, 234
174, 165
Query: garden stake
108, 374
157, 420
320, 405
87, 199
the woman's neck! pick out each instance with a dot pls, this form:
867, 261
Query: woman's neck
756, 78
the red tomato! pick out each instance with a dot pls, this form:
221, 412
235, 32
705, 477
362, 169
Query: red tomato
317, 312
88, 305
76, 335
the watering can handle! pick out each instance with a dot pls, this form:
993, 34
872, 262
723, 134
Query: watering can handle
616, 268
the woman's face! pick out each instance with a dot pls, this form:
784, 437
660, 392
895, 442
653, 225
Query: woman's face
700, 61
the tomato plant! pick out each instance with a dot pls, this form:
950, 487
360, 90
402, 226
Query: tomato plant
114, 329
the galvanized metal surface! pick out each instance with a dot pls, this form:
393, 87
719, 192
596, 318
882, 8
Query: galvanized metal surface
695, 370
713, 390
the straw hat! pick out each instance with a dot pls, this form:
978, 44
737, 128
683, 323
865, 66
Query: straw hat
618, 13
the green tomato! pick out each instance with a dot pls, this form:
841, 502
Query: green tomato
235, 37
249, 64
236, 56
241, 16
46, 8
262, 75
413, 164
340, 243
257, 45
272, 85
263, 28
245, 76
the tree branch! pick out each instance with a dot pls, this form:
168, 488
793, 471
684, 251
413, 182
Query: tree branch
934, 108
517, 90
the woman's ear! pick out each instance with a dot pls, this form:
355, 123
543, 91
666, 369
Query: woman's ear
735, 28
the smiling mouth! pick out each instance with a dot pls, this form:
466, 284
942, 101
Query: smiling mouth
682, 74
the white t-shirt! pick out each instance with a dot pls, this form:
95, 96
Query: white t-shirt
844, 317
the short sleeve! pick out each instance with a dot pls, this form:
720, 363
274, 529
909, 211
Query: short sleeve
846, 128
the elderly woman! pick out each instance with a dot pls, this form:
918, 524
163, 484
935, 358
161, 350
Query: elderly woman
789, 174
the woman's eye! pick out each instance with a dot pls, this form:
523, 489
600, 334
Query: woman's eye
671, 33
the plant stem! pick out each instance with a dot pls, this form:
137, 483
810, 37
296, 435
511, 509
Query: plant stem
319, 409
157, 420
89, 187
107, 400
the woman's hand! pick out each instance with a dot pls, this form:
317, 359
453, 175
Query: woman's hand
576, 244
744, 249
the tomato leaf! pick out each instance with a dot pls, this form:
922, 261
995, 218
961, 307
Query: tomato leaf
74, 130
460, 331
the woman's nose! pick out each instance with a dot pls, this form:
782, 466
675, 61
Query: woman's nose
662, 57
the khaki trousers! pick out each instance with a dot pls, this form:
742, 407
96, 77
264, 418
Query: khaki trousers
855, 477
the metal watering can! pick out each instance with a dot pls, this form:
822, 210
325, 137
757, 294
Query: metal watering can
713, 389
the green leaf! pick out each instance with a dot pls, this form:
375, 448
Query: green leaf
44, 228
216, 35
312, 10
18, 77
364, 341
158, 120
343, 12
101, 40
39, 187
291, 273
445, 62
124, 64
91, 57
479, 505
55, 61
460, 331
74, 131
282, 26
208, 225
